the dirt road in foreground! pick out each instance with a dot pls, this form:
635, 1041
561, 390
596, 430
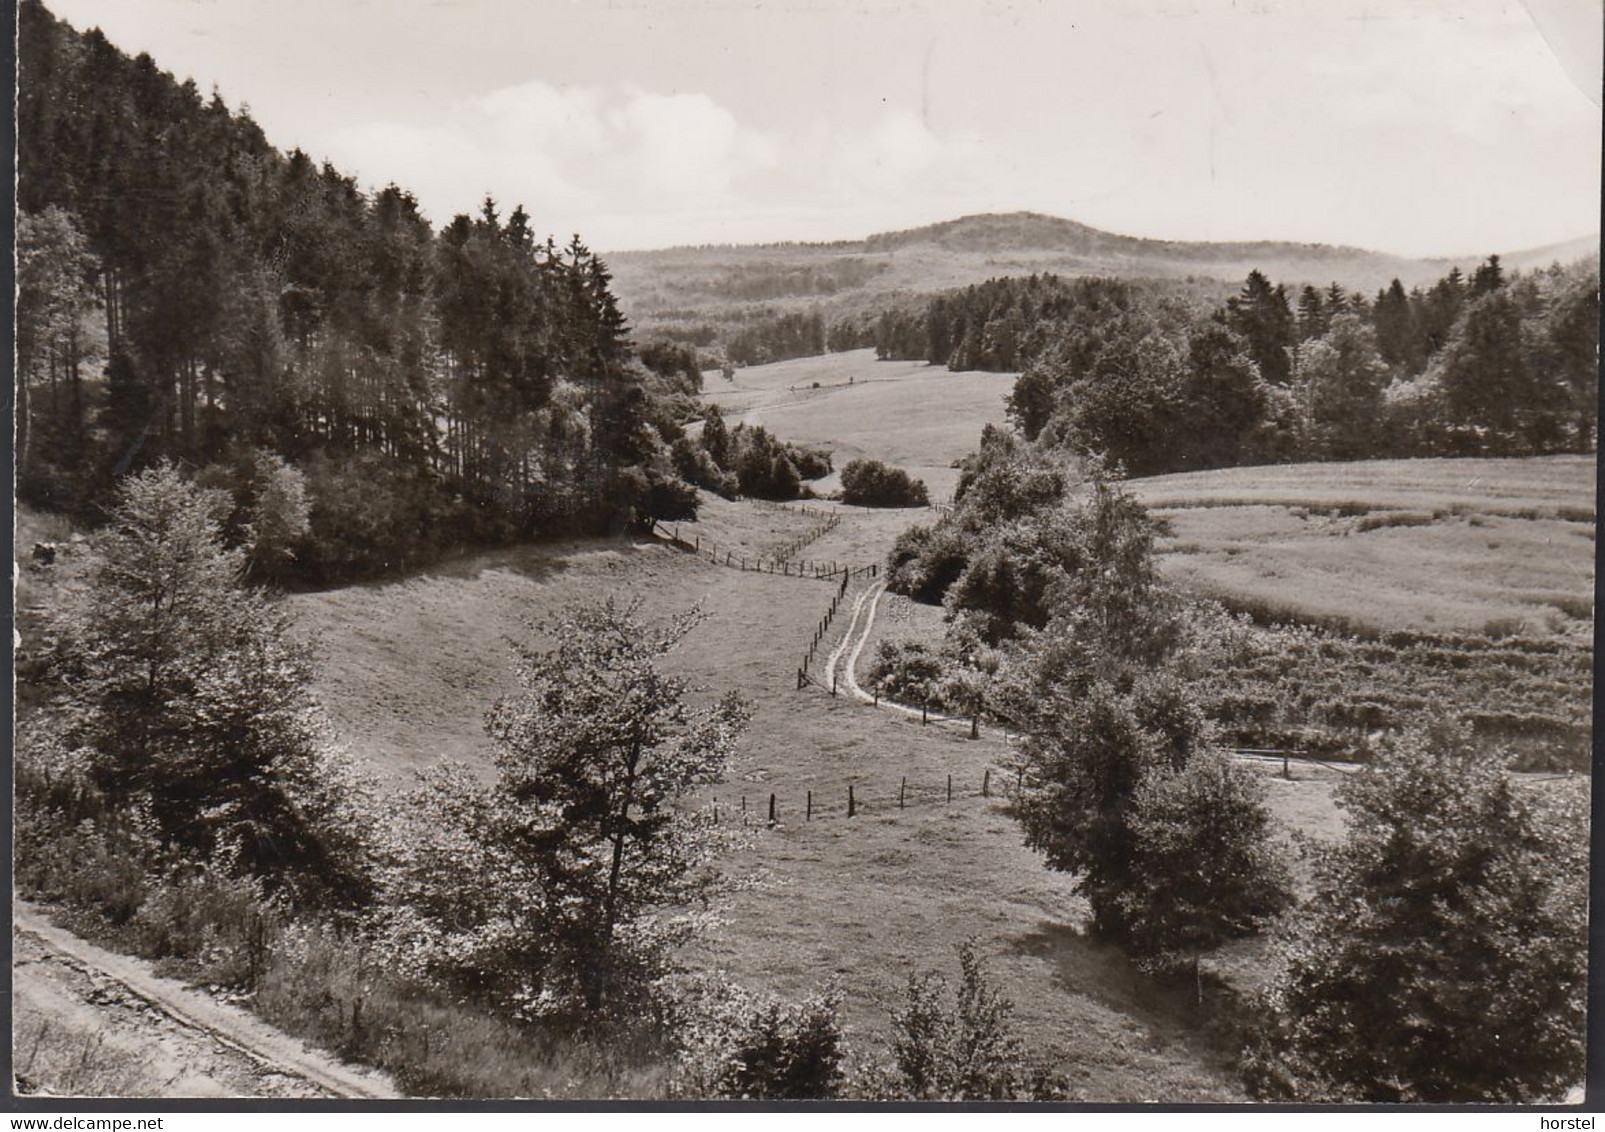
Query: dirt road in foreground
88, 1022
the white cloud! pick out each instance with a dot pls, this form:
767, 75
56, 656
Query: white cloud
627, 166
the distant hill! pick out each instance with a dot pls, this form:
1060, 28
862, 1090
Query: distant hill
729, 284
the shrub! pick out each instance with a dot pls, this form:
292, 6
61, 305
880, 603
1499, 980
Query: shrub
764, 467
870, 483
1386, 519
751, 1047
218, 923
925, 562
811, 463
964, 1053
99, 870
694, 464
366, 519
910, 672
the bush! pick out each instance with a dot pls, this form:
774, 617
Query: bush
97, 869
910, 672
925, 562
368, 519
751, 1047
695, 465
811, 463
966, 1053
218, 924
870, 483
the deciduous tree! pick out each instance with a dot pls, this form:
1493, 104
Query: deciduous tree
1443, 955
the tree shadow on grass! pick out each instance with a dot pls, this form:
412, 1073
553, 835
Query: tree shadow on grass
536, 561
1206, 1017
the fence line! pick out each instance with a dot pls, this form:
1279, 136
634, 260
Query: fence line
855, 799
782, 563
822, 629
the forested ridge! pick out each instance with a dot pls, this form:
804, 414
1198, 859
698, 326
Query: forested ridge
191, 293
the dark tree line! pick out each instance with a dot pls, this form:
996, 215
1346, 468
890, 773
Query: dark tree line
204, 293
776, 338
1495, 364
747, 460
995, 325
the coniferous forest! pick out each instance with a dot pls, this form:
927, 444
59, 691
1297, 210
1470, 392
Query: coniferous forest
190, 293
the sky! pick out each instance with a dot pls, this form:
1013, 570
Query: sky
1420, 127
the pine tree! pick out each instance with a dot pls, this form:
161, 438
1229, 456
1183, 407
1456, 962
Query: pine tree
192, 694
1488, 278
1312, 314
1396, 331
1260, 313
56, 275
1488, 385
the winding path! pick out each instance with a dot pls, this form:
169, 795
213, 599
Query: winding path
841, 669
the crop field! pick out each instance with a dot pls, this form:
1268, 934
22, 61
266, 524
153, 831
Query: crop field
1501, 547
918, 417
408, 668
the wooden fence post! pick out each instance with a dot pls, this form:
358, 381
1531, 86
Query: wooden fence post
986, 783
902, 788
925, 712
743, 803
1287, 771
771, 809
800, 679
975, 726
810, 816
950, 788
852, 806
833, 683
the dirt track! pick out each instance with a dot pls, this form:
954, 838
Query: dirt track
89, 1022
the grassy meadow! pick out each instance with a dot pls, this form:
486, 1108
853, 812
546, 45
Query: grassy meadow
1498, 547
918, 417
408, 668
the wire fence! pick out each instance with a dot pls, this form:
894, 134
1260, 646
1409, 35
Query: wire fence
822, 630
858, 799
782, 562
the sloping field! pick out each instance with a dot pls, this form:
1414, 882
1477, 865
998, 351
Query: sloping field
1533, 486
919, 417
408, 668
1440, 546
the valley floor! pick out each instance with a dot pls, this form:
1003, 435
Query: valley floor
409, 668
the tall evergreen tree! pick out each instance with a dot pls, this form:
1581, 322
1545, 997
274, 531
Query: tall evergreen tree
1260, 313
